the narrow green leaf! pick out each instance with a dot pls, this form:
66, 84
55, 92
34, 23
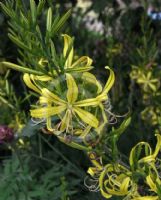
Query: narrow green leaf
49, 20
10, 13
40, 6
53, 53
55, 20
122, 127
25, 20
20, 68
39, 32
60, 23
33, 10
18, 42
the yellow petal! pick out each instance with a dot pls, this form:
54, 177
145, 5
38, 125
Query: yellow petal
44, 100
85, 132
151, 184
92, 101
79, 69
43, 78
92, 171
28, 82
99, 130
152, 86
52, 97
133, 153
151, 157
65, 121
87, 117
101, 183
83, 61
92, 79
72, 92
110, 81
158, 145
67, 45
47, 111
125, 185
48, 124
87, 102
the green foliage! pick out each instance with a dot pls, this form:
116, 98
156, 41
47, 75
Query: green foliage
19, 181
28, 34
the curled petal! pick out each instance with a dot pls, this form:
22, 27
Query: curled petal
110, 81
67, 46
158, 145
83, 61
29, 81
135, 154
113, 183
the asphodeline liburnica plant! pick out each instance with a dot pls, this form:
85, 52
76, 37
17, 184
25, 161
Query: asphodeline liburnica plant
74, 106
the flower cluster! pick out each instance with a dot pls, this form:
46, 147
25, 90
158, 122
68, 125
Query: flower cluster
150, 87
138, 181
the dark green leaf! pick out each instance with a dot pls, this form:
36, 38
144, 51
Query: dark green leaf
60, 23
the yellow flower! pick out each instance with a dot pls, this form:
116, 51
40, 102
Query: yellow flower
148, 82
153, 179
80, 65
115, 181
151, 114
135, 155
70, 107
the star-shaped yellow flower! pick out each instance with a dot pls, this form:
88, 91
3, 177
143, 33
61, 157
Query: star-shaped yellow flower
69, 108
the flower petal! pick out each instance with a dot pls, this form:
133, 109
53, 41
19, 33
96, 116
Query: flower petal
28, 81
87, 102
72, 93
79, 69
65, 121
47, 111
67, 45
92, 79
52, 97
87, 117
43, 78
92, 101
110, 81
83, 61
